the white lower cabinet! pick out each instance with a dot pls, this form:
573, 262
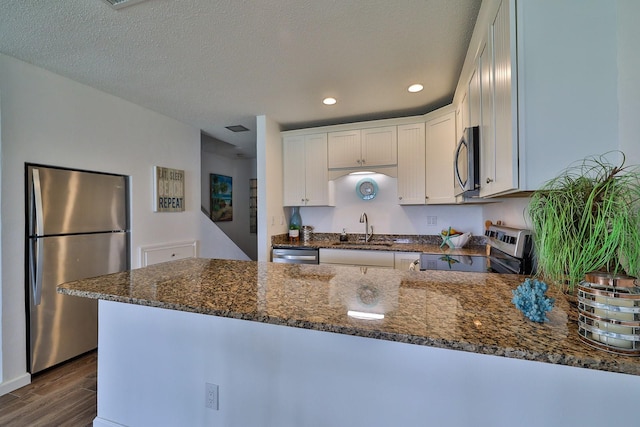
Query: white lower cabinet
357, 257
403, 260
306, 181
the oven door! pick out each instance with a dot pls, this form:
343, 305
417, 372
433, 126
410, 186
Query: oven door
499, 262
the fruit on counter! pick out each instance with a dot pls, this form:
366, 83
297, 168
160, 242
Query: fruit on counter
451, 232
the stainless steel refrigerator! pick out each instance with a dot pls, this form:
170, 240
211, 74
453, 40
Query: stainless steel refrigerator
77, 227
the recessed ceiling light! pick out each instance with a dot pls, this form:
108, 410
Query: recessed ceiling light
415, 88
329, 101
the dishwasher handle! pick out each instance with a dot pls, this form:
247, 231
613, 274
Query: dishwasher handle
295, 256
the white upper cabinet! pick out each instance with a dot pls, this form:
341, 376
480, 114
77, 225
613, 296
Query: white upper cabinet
380, 146
473, 100
425, 160
411, 164
546, 99
498, 135
363, 148
305, 171
344, 149
440, 146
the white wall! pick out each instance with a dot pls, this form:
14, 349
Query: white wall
385, 214
52, 120
154, 364
271, 217
241, 170
511, 211
628, 83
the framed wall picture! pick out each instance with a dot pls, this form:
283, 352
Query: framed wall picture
168, 189
221, 197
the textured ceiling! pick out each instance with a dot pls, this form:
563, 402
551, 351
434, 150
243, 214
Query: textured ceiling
216, 63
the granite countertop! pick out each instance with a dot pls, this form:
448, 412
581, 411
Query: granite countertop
460, 311
383, 242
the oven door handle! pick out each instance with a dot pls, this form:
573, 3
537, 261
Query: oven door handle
502, 264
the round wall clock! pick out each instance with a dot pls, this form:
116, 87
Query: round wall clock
366, 189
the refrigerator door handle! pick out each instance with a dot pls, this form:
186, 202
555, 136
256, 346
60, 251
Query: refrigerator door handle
36, 270
37, 201
36, 246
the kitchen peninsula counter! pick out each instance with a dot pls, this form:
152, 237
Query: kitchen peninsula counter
288, 345
459, 311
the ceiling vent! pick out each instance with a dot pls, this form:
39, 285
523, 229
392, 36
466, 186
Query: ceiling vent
237, 128
119, 4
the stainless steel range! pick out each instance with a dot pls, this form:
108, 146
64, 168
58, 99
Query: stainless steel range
474, 263
510, 250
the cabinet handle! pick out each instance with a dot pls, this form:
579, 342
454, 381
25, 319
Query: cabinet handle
359, 161
489, 180
363, 162
400, 198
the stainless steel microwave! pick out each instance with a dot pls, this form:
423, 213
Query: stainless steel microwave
466, 163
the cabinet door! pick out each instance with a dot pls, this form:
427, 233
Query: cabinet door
487, 139
293, 154
462, 116
474, 99
411, 164
506, 152
379, 146
344, 149
316, 172
440, 145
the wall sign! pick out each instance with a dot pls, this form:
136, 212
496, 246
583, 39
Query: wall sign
168, 189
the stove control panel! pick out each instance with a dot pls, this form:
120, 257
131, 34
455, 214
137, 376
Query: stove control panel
512, 241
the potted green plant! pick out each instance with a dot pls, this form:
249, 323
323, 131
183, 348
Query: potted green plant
587, 219
586, 225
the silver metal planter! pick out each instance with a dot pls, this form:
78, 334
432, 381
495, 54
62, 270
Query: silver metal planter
609, 313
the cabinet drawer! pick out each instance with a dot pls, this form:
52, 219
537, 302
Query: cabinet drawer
355, 257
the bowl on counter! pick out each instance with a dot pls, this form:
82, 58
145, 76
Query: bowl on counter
458, 241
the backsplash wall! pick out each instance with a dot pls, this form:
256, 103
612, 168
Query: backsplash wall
510, 211
385, 214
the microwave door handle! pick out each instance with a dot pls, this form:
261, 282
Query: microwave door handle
455, 166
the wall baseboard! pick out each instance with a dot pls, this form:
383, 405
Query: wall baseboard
14, 384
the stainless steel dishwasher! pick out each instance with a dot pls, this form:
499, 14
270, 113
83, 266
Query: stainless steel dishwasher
295, 255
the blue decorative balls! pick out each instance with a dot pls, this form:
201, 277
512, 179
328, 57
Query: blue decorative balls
530, 298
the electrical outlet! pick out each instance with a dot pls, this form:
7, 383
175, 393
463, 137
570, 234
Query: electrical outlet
432, 220
211, 396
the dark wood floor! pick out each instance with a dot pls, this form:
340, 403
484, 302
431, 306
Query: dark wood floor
61, 396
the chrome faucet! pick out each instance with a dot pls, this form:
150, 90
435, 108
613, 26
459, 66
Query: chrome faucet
368, 231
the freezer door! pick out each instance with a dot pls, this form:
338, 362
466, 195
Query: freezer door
74, 202
62, 326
